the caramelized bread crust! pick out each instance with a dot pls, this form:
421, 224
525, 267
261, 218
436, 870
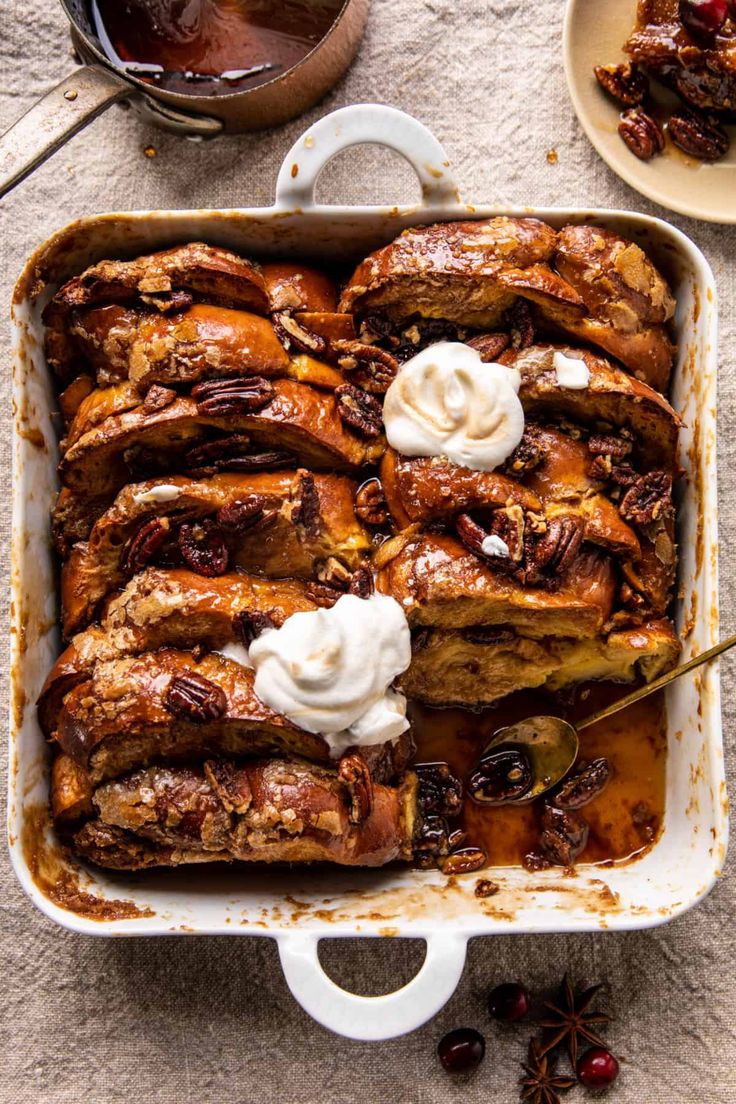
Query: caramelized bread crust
123, 716
271, 811
168, 608
441, 584
612, 399
584, 281
301, 521
204, 342
297, 419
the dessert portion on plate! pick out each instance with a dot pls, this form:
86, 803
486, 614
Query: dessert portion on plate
689, 46
289, 513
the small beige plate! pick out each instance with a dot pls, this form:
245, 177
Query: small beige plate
594, 34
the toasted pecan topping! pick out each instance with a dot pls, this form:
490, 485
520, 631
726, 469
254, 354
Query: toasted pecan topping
307, 516
293, 335
366, 366
624, 83
648, 499
359, 410
233, 396
144, 545
204, 547
370, 503
361, 583
248, 624
241, 514
353, 771
195, 698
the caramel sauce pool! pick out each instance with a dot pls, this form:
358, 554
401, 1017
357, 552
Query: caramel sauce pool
195, 39
624, 820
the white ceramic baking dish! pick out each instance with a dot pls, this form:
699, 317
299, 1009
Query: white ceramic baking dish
299, 907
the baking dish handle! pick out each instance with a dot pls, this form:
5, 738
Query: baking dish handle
354, 126
371, 1019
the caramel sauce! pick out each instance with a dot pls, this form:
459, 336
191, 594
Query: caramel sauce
624, 820
211, 47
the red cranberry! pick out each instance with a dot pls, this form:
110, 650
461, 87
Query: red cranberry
461, 1050
509, 1002
597, 1068
703, 18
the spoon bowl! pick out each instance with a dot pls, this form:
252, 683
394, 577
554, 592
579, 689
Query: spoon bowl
524, 760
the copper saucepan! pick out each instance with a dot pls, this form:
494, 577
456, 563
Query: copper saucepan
98, 83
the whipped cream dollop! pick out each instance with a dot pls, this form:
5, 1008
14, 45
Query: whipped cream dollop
164, 492
571, 372
330, 670
494, 546
446, 402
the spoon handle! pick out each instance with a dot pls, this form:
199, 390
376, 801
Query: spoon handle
663, 680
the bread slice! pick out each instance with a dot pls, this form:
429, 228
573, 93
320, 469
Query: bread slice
440, 583
272, 811
297, 419
478, 666
300, 522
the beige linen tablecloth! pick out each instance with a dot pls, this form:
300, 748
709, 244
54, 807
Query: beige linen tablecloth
194, 1021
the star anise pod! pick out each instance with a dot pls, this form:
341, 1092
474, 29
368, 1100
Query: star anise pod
541, 1085
571, 1020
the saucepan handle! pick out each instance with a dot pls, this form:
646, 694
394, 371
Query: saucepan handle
54, 119
372, 1019
356, 125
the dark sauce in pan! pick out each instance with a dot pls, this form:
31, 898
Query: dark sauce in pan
624, 820
210, 47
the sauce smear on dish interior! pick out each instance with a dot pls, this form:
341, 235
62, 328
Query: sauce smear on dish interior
623, 821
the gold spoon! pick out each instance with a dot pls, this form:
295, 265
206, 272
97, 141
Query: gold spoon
528, 758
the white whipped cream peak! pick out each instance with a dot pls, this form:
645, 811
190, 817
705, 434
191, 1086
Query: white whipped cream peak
164, 492
330, 670
494, 546
571, 372
446, 402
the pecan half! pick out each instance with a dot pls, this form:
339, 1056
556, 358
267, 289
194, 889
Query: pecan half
241, 514
464, 861
519, 320
194, 698
370, 503
157, 398
366, 366
230, 783
231, 454
307, 516
555, 550
242, 395
505, 523
615, 447
624, 83
144, 545
620, 474
361, 583
641, 133
359, 410
647, 499
353, 771
439, 791
204, 548
431, 838
528, 454
698, 135
248, 624
564, 835
322, 594
334, 574
293, 335
581, 788
490, 346
501, 776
